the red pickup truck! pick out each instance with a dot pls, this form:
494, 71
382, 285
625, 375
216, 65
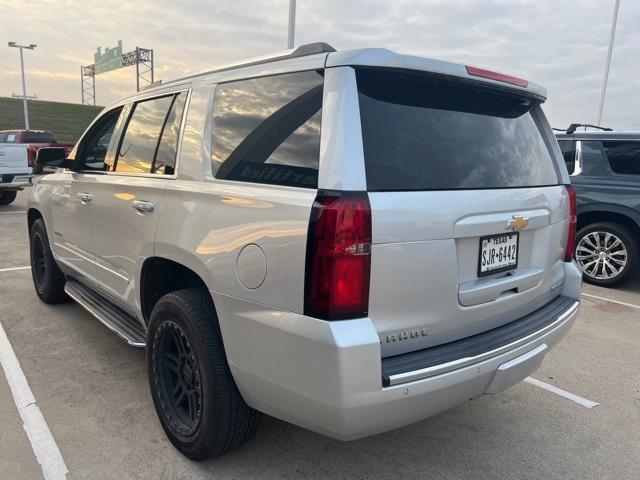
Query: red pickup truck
34, 139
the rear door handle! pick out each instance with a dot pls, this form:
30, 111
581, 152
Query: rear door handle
85, 197
142, 206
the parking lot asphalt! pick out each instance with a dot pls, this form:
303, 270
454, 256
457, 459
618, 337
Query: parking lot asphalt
92, 391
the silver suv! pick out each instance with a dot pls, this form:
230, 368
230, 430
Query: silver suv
349, 241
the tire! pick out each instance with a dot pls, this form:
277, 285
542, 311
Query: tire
48, 279
7, 197
195, 396
618, 262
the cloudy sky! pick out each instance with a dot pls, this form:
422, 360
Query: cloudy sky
559, 44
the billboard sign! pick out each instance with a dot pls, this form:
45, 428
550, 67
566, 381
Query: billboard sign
111, 59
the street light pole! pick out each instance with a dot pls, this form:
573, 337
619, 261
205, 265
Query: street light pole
31, 46
292, 24
612, 36
24, 93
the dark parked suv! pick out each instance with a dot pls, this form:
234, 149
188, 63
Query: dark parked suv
605, 171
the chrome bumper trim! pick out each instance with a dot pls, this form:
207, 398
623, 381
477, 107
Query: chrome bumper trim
466, 361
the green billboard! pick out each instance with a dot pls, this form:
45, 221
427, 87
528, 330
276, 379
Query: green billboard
111, 59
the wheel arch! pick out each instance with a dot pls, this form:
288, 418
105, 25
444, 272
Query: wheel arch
161, 275
609, 213
33, 214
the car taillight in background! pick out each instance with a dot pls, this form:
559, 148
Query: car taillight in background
31, 156
573, 217
338, 260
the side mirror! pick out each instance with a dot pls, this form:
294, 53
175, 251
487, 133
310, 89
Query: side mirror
48, 159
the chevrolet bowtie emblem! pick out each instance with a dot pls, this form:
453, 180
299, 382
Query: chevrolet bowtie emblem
517, 223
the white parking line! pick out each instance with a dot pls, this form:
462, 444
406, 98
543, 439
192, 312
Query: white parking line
563, 393
17, 211
604, 299
13, 269
42, 442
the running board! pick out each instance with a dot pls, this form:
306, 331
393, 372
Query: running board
114, 318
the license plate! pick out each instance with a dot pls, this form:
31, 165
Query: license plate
498, 253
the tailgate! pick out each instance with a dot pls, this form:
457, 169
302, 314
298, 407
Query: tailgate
425, 284
469, 216
14, 159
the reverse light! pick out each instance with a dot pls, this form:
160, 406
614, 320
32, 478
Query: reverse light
499, 77
573, 218
338, 260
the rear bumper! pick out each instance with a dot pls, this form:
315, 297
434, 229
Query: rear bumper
471, 350
327, 376
15, 181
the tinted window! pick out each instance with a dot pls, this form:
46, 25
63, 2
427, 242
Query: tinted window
9, 137
138, 146
624, 157
165, 160
95, 144
427, 133
39, 137
567, 147
4, 137
592, 159
267, 130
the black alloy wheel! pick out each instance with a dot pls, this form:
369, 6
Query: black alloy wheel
48, 279
197, 401
177, 377
38, 265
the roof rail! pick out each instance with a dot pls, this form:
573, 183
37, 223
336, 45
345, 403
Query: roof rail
301, 51
151, 85
574, 126
311, 49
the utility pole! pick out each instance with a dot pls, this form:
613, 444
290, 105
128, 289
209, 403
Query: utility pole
292, 24
612, 36
31, 46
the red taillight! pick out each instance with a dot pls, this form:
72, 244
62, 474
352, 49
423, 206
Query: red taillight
338, 256
31, 157
573, 218
500, 77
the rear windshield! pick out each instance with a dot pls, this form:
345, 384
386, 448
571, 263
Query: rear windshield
427, 133
39, 137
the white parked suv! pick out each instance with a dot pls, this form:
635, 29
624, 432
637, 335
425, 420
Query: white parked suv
349, 241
